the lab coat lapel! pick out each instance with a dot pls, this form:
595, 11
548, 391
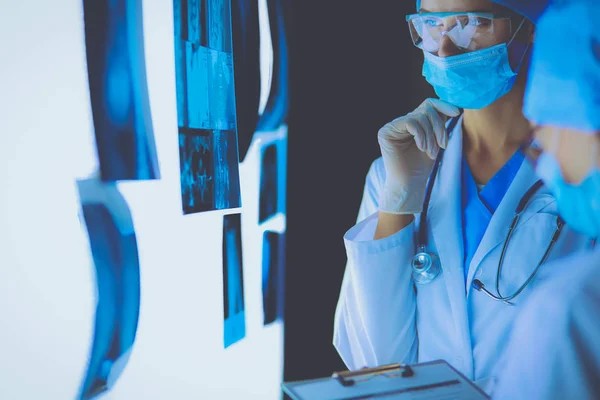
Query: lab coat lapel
445, 222
497, 230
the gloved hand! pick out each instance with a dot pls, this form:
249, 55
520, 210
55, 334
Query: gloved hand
409, 146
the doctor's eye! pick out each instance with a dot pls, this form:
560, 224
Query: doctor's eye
480, 22
431, 22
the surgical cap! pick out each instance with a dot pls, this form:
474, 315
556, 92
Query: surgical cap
532, 9
564, 78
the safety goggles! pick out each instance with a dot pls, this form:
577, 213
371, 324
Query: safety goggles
468, 31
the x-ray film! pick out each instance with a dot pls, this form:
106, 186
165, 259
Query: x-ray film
273, 267
268, 198
206, 105
118, 90
114, 250
233, 281
209, 173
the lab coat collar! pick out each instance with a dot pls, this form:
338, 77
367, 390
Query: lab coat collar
499, 225
445, 225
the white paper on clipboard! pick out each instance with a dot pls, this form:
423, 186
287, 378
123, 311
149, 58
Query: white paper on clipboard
433, 380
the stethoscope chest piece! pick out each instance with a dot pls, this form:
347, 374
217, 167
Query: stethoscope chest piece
425, 266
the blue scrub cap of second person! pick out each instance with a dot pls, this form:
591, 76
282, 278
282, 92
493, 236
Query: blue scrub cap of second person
532, 9
564, 78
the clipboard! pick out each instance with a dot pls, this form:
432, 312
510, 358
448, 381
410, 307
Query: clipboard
431, 380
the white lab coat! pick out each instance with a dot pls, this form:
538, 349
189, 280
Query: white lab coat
554, 352
382, 317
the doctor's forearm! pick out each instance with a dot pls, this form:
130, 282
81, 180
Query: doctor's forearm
390, 224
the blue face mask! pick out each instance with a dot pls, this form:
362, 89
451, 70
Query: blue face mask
472, 80
578, 205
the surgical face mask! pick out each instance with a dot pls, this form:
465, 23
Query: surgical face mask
473, 80
578, 205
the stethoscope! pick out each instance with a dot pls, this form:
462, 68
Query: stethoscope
426, 266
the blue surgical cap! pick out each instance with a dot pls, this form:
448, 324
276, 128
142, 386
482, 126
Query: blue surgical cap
532, 9
564, 78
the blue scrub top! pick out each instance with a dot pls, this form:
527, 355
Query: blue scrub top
479, 206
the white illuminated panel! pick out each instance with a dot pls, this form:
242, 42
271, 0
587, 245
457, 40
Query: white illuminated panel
47, 282
266, 55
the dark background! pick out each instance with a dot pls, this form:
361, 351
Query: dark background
353, 68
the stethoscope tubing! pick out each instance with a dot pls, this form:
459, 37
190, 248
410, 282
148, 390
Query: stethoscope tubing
477, 284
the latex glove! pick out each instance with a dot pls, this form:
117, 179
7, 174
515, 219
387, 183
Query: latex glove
409, 146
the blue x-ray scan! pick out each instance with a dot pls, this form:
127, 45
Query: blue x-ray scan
206, 105
197, 167
207, 180
233, 280
277, 106
273, 278
118, 90
114, 250
268, 198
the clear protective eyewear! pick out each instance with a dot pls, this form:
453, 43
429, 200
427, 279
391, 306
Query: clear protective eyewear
468, 31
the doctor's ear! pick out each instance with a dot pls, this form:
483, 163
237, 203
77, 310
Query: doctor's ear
528, 32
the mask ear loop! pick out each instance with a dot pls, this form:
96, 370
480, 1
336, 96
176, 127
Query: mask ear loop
520, 64
516, 32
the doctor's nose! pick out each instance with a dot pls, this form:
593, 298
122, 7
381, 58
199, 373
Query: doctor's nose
448, 48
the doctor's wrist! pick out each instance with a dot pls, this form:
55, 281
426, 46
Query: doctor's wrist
390, 224
401, 199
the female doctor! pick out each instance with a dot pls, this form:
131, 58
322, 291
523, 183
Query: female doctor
454, 228
563, 362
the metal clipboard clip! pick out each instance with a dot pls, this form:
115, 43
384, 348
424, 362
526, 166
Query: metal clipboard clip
347, 378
